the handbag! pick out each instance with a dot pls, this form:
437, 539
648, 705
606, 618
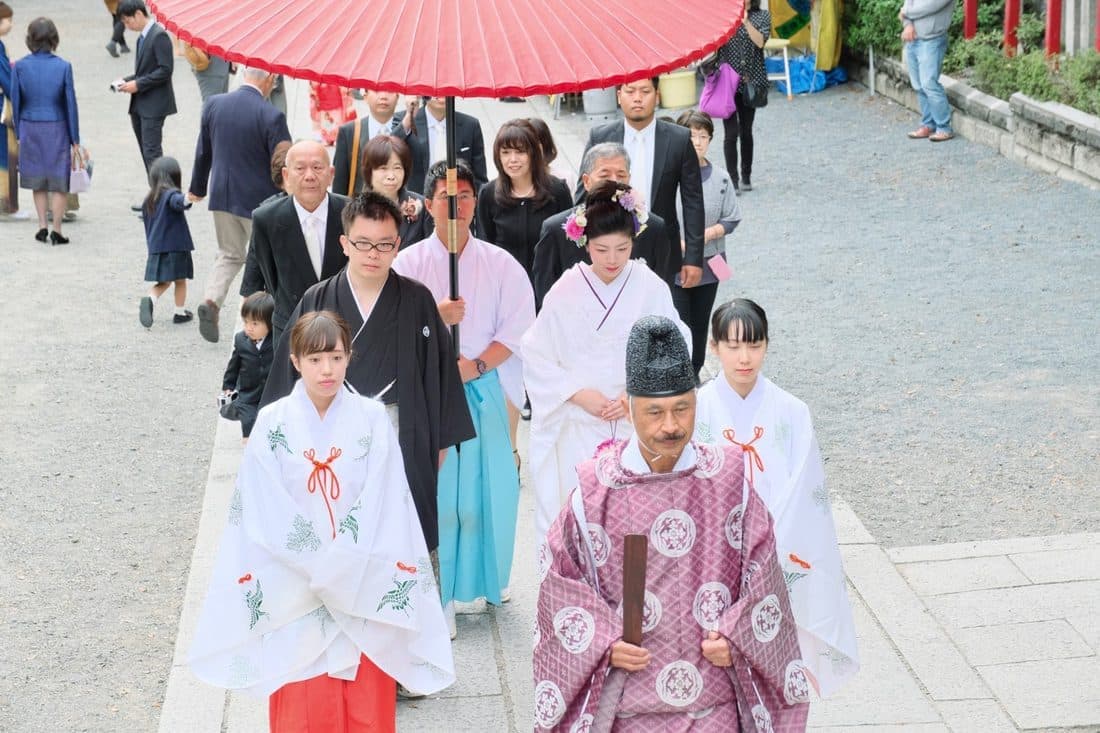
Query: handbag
80, 177
198, 58
756, 96
717, 99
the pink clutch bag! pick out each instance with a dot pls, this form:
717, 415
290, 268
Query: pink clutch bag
720, 268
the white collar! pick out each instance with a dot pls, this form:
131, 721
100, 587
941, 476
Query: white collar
633, 461
148, 27
433, 122
321, 212
646, 133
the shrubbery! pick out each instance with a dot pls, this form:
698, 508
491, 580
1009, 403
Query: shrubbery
1072, 80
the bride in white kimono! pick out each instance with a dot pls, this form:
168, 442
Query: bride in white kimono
322, 592
783, 464
574, 355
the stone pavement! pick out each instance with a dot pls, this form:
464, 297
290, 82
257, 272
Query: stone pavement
993, 636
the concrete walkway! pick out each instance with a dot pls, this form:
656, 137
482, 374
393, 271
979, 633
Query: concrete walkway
983, 637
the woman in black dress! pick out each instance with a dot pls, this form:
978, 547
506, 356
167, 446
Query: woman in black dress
512, 207
744, 52
386, 163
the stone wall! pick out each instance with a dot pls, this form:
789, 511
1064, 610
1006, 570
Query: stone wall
1047, 136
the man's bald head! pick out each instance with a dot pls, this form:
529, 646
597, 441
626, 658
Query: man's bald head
307, 173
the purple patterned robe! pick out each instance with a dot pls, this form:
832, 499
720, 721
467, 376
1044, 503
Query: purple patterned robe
711, 566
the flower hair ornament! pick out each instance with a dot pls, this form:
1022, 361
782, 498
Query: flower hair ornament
628, 199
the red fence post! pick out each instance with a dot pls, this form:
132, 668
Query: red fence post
1098, 25
1012, 21
970, 18
1054, 27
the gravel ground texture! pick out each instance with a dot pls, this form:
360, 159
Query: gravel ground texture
936, 305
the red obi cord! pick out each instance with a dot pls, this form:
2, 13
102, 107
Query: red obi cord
750, 452
323, 479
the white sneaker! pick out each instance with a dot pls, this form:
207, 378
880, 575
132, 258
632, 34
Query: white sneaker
19, 215
505, 594
449, 613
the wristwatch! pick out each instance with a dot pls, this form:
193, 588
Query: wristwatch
481, 366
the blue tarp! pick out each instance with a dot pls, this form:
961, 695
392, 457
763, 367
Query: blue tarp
804, 77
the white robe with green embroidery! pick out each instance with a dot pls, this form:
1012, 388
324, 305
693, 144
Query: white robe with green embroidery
322, 558
790, 478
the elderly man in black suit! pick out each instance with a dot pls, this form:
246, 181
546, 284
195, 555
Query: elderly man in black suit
380, 120
663, 162
238, 134
555, 253
296, 239
426, 135
150, 86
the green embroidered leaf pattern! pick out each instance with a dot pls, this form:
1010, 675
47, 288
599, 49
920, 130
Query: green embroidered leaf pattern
302, 536
398, 598
426, 574
782, 436
323, 617
351, 524
790, 577
254, 600
364, 443
276, 437
236, 507
840, 661
703, 433
242, 673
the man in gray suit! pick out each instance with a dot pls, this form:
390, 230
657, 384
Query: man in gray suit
150, 86
237, 137
662, 164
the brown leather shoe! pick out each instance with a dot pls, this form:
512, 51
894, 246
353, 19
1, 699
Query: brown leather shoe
208, 320
941, 136
921, 133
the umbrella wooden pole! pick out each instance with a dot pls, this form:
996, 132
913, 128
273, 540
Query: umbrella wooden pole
452, 208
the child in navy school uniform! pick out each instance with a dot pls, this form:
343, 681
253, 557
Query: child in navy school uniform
168, 239
253, 352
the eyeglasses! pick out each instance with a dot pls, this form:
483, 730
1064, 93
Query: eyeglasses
700, 136
463, 198
365, 245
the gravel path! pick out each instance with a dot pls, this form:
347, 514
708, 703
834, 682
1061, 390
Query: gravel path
937, 307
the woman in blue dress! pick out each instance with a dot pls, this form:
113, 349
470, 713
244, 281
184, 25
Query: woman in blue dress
44, 111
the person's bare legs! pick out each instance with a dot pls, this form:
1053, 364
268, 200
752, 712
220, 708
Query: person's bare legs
180, 293
40, 198
58, 203
158, 290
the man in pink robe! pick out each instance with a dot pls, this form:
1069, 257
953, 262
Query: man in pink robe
719, 649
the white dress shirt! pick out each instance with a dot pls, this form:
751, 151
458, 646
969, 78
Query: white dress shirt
314, 226
437, 140
640, 145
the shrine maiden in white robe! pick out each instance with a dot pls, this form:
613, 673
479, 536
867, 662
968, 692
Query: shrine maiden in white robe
579, 342
322, 558
783, 464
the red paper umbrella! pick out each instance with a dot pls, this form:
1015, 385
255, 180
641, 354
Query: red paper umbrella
463, 48
457, 48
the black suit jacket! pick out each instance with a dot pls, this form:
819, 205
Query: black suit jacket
248, 367
282, 260
237, 136
341, 157
469, 145
153, 74
555, 253
675, 167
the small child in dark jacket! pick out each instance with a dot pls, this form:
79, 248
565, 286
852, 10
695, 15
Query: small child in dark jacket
168, 240
253, 352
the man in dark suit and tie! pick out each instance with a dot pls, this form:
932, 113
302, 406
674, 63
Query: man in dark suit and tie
662, 162
296, 239
429, 142
555, 253
238, 134
379, 121
150, 86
